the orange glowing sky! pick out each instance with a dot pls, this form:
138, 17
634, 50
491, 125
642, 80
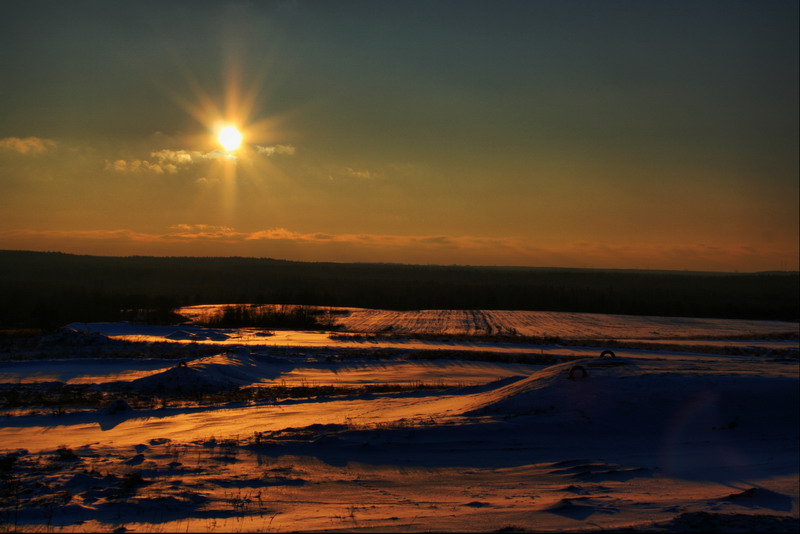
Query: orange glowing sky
616, 134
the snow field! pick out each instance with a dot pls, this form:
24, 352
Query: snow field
564, 325
689, 440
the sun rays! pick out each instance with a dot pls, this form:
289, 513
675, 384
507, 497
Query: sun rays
239, 137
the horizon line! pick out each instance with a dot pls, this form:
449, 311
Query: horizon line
400, 264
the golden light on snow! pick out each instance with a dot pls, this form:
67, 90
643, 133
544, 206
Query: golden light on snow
654, 442
230, 138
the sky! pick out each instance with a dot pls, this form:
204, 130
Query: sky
565, 133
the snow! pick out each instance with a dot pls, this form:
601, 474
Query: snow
79, 370
652, 439
566, 325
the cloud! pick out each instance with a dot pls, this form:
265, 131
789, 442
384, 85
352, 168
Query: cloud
26, 145
162, 161
139, 165
183, 232
276, 150
363, 173
122, 234
191, 232
176, 157
209, 239
204, 181
167, 161
381, 240
198, 227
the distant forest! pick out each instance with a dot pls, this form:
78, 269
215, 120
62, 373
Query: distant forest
48, 289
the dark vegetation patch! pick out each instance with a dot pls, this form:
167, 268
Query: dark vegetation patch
481, 356
46, 290
511, 336
65, 454
790, 353
57, 398
775, 336
269, 316
732, 350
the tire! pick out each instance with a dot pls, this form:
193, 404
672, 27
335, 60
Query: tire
575, 369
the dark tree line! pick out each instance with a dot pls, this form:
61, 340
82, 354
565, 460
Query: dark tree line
49, 289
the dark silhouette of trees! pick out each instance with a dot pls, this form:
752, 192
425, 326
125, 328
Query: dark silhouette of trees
46, 290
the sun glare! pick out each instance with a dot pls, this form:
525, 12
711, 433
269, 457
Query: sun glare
230, 138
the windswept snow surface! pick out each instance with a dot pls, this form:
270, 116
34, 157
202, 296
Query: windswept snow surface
80, 370
535, 323
465, 323
649, 440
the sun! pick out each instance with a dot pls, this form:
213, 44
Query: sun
230, 138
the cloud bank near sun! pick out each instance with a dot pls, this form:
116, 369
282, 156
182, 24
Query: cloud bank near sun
161, 162
167, 161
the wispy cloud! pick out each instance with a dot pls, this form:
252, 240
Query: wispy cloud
185, 232
205, 181
27, 145
121, 234
276, 150
208, 239
202, 231
363, 173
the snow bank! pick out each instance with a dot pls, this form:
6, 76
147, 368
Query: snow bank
175, 333
616, 397
222, 371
